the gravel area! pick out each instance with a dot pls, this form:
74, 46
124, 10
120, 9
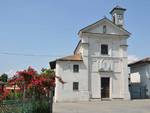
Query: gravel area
115, 106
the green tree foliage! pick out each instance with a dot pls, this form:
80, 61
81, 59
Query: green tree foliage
4, 77
48, 73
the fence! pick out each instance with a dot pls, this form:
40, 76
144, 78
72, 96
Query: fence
10, 106
28, 106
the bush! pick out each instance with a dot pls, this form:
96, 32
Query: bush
14, 95
38, 106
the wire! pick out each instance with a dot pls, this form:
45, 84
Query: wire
30, 55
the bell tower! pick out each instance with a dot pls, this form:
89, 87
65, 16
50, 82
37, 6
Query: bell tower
118, 16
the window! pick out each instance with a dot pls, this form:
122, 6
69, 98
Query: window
75, 68
104, 49
75, 86
114, 19
104, 29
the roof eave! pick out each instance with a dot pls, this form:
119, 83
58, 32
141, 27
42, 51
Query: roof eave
105, 18
77, 46
87, 27
123, 9
101, 34
138, 63
67, 60
143, 61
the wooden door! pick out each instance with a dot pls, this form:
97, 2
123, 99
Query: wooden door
105, 87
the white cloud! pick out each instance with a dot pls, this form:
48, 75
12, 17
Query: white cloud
132, 58
11, 73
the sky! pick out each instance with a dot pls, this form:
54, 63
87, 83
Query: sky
34, 32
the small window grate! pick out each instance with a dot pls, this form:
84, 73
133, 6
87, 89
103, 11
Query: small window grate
75, 68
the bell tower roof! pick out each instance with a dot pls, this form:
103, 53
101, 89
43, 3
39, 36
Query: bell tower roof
117, 8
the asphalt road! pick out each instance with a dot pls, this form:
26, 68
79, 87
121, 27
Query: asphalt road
123, 106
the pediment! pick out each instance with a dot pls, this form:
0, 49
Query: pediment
111, 28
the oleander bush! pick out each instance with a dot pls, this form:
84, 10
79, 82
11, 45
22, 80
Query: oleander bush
33, 93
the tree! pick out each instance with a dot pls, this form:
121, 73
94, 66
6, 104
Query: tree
3, 91
4, 77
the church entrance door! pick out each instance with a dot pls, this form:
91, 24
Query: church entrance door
105, 87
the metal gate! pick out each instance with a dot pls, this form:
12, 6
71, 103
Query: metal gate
137, 91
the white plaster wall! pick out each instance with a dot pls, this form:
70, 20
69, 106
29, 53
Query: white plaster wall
113, 46
95, 84
110, 29
148, 80
65, 92
117, 54
124, 82
79, 49
142, 71
116, 85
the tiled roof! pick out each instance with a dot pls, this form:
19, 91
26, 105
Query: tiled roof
76, 57
145, 60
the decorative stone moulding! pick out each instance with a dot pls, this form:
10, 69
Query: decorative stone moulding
102, 70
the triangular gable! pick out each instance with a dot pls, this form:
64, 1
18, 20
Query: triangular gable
112, 28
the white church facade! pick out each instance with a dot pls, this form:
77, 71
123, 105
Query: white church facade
98, 67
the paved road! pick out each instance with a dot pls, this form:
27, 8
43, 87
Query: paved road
136, 106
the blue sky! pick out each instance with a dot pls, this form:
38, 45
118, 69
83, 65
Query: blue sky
49, 27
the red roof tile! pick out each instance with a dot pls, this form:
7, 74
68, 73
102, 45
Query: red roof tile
76, 57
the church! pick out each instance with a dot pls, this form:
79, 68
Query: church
98, 68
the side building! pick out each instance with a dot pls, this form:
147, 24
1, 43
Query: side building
140, 79
98, 67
